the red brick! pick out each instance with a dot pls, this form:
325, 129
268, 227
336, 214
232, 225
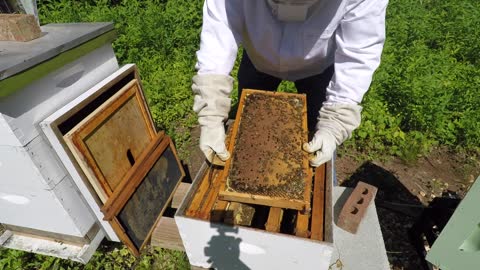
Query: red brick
355, 207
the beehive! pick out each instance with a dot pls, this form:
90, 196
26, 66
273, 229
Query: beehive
207, 223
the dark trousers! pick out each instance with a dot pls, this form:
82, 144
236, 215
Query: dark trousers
314, 87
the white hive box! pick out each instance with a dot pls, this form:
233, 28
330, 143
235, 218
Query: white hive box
38, 199
222, 246
57, 125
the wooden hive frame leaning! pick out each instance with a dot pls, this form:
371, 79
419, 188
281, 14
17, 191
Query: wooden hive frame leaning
228, 194
104, 127
131, 185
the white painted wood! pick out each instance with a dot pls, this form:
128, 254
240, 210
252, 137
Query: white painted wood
46, 161
27, 201
50, 129
239, 248
7, 136
88, 250
42, 172
66, 192
18, 172
24, 109
42, 246
77, 177
79, 253
5, 236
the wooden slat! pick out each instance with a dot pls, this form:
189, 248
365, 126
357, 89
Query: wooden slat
179, 194
205, 211
206, 196
301, 227
200, 194
217, 213
303, 218
218, 207
309, 182
262, 200
231, 195
328, 208
318, 203
166, 235
197, 268
274, 219
50, 236
5, 236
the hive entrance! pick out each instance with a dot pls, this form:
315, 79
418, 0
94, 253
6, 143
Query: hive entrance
268, 165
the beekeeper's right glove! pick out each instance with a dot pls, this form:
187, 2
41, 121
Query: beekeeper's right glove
212, 104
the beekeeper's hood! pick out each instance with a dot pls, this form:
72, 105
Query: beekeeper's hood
291, 10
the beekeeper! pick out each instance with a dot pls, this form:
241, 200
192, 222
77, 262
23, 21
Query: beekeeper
328, 48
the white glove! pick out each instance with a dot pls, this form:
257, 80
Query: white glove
212, 104
335, 125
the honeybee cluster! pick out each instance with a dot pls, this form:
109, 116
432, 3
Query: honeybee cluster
268, 156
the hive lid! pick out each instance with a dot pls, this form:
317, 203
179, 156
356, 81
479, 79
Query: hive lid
56, 38
21, 63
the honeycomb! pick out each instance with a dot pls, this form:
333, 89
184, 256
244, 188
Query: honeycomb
267, 155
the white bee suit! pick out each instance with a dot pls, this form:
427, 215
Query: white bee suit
292, 40
347, 33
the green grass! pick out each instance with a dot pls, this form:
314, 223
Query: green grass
109, 256
425, 92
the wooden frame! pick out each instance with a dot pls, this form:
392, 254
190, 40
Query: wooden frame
129, 186
279, 202
76, 139
206, 204
318, 202
203, 203
274, 219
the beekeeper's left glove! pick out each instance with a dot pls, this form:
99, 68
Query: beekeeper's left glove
212, 104
335, 125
